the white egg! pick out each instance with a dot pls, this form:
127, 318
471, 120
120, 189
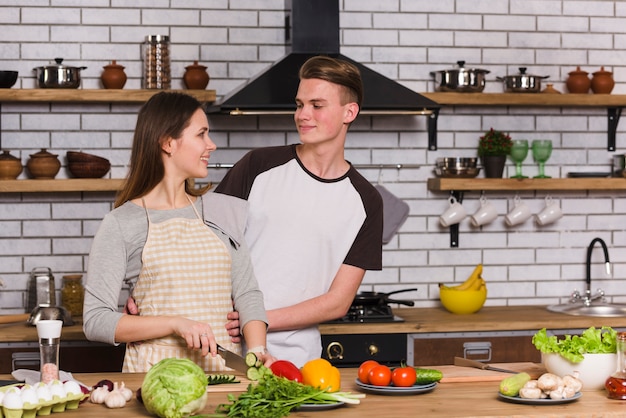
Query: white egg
57, 389
29, 395
12, 400
43, 393
72, 388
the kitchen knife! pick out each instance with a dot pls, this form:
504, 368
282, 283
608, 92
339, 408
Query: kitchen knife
460, 361
233, 360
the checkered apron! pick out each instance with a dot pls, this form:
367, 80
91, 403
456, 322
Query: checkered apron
186, 271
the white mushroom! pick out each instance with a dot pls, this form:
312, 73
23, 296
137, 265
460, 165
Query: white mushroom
549, 382
530, 393
573, 382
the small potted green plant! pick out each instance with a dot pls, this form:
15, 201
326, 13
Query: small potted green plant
493, 148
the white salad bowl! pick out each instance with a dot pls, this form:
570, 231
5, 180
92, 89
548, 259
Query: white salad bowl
592, 371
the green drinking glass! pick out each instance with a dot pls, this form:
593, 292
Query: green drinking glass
542, 149
519, 152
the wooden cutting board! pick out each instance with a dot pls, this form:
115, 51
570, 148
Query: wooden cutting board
453, 373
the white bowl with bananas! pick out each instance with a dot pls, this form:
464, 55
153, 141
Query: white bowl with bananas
467, 297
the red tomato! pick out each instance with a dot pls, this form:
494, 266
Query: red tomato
380, 375
403, 376
364, 370
287, 369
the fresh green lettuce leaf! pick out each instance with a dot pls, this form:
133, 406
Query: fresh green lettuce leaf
591, 341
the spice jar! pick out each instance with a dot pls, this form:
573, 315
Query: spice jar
156, 62
73, 294
615, 385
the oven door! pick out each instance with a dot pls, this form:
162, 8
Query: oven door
350, 350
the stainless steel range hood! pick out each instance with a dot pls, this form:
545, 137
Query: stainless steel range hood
312, 26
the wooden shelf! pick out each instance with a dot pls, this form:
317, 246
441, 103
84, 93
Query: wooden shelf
527, 99
452, 184
60, 185
93, 96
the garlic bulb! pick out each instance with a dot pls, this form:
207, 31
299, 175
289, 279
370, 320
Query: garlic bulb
99, 394
127, 393
115, 398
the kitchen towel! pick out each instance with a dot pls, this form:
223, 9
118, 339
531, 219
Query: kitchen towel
33, 376
395, 212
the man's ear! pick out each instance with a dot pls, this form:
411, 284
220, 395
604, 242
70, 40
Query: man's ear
352, 111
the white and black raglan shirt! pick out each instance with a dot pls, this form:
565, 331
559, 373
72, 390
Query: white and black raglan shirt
300, 230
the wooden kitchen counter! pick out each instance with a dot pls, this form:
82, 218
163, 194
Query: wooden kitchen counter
416, 320
470, 399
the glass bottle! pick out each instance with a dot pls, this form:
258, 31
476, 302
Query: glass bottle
73, 294
616, 384
156, 62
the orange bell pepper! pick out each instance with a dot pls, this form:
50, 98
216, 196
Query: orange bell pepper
321, 374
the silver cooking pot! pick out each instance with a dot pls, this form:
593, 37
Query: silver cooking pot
58, 76
522, 82
461, 79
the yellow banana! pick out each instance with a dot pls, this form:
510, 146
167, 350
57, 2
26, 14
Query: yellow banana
478, 284
472, 279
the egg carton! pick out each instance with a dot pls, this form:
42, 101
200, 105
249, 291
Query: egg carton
30, 409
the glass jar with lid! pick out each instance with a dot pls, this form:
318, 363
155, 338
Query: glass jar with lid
73, 294
156, 62
616, 384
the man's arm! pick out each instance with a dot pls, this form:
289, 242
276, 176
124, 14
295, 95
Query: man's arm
331, 305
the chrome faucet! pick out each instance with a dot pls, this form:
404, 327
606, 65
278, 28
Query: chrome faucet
587, 298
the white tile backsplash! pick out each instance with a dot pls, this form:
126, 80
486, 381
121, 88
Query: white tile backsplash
404, 40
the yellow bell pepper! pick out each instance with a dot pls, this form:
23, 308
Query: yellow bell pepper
321, 374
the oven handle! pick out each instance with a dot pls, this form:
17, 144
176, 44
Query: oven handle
335, 351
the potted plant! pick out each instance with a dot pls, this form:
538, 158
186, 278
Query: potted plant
493, 147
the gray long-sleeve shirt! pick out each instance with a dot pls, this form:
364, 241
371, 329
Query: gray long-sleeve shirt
115, 260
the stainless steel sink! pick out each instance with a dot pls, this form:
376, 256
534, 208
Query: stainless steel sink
578, 309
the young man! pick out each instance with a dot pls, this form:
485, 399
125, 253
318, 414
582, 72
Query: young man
315, 224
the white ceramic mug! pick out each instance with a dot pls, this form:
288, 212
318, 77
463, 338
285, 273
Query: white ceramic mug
454, 214
486, 213
519, 214
551, 213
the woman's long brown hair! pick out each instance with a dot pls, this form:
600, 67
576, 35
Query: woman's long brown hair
165, 115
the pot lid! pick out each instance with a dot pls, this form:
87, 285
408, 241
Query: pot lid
113, 65
43, 154
6, 156
602, 71
461, 69
195, 65
522, 73
578, 71
59, 66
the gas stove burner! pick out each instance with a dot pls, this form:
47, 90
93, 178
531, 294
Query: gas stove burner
377, 313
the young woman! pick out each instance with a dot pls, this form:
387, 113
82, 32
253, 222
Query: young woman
180, 250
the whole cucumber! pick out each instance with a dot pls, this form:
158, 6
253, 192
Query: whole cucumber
510, 386
426, 376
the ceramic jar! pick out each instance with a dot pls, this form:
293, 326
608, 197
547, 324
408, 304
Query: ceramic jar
196, 77
113, 76
602, 82
43, 165
578, 82
10, 166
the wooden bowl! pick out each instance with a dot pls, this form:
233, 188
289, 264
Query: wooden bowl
83, 165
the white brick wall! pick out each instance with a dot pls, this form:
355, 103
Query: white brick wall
404, 40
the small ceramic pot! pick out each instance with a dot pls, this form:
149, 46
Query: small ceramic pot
578, 82
113, 76
196, 77
43, 165
10, 166
602, 82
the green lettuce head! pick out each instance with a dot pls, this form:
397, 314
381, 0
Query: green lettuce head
174, 388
